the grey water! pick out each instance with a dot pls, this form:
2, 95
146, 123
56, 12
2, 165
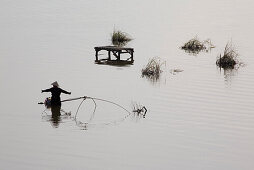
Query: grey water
200, 118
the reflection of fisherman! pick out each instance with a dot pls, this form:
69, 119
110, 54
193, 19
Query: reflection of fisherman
55, 92
55, 115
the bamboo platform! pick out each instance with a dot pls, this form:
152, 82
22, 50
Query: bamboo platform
116, 51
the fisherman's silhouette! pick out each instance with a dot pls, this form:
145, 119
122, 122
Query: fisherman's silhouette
55, 103
55, 94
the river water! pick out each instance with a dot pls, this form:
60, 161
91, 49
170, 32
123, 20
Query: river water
200, 118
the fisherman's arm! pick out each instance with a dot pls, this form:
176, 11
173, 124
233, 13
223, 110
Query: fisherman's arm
63, 91
47, 90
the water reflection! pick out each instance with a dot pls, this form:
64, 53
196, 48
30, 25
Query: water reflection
153, 78
55, 110
88, 125
176, 71
120, 63
197, 51
228, 74
85, 125
136, 117
57, 116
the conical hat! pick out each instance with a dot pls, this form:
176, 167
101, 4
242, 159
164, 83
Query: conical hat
55, 84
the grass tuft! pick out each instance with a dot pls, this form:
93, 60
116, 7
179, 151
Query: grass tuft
120, 38
194, 46
229, 58
153, 69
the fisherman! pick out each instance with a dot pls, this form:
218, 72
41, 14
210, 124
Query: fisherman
55, 94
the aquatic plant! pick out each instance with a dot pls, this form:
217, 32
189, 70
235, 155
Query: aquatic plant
120, 38
229, 58
153, 69
194, 46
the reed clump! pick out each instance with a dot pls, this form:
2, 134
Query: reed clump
229, 58
153, 69
120, 38
195, 46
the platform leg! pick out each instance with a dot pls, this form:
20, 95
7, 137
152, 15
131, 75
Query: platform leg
109, 55
96, 55
131, 55
118, 56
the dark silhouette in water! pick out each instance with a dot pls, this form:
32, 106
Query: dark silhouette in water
55, 102
55, 118
55, 94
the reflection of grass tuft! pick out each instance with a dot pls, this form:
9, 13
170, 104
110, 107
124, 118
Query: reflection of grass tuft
153, 69
229, 58
120, 38
194, 46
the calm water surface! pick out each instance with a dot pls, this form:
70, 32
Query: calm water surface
201, 118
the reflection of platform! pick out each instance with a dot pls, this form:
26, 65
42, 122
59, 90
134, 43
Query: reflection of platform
116, 51
114, 62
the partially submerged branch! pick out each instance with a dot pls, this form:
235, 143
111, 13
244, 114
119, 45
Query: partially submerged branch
139, 109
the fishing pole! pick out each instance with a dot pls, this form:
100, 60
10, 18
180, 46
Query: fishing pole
77, 98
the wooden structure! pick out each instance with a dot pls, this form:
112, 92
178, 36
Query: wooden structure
116, 51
